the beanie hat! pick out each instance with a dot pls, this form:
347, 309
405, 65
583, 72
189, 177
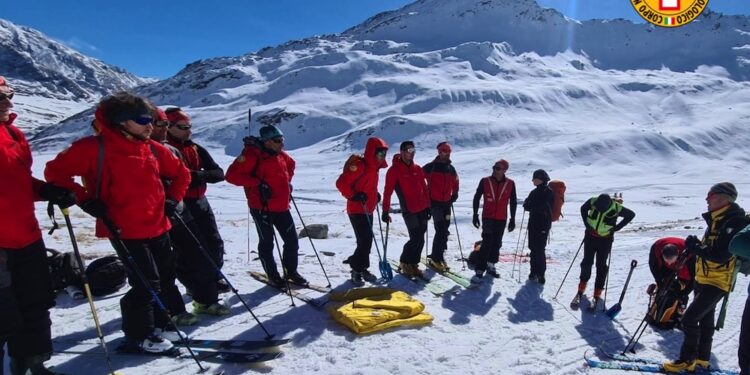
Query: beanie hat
160, 115
269, 132
541, 174
602, 202
726, 189
175, 114
405, 145
502, 163
444, 147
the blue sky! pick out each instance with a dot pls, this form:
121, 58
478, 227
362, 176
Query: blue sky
157, 38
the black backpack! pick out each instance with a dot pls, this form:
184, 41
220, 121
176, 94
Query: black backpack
106, 275
63, 270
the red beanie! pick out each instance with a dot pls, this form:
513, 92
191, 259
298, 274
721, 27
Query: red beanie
160, 115
175, 114
502, 163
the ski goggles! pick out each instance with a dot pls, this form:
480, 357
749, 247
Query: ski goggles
4, 96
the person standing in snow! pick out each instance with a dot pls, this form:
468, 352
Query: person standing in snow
714, 266
498, 193
192, 269
539, 204
203, 170
123, 170
265, 170
599, 215
442, 182
407, 179
25, 289
358, 183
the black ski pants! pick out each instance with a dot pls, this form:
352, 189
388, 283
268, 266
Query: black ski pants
492, 241
192, 268
537, 246
265, 221
204, 218
25, 299
599, 248
416, 224
744, 350
156, 262
441, 220
698, 323
362, 225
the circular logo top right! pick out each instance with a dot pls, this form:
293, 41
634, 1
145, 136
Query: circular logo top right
669, 13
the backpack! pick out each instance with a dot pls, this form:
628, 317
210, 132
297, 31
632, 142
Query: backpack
740, 247
63, 270
558, 187
352, 162
106, 275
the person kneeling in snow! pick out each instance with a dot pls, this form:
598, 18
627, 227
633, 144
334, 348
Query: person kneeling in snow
673, 272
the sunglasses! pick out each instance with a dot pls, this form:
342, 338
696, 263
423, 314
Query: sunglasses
143, 120
380, 153
6, 96
409, 150
161, 123
184, 127
499, 168
278, 140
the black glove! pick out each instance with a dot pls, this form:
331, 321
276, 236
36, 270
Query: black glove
95, 208
651, 290
454, 197
265, 191
692, 244
170, 206
511, 225
360, 197
57, 195
291, 188
197, 178
386, 217
379, 197
475, 221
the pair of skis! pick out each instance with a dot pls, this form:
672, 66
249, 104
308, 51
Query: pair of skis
297, 291
623, 362
230, 351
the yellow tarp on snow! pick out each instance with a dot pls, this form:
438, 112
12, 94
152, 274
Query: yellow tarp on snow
368, 310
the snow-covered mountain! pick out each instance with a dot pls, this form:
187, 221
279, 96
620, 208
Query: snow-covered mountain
53, 81
482, 73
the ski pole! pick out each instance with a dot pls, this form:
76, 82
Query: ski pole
87, 288
458, 237
606, 281
571, 266
129, 260
213, 264
523, 245
377, 208
283, 267
515, 254
311, 241
249, 125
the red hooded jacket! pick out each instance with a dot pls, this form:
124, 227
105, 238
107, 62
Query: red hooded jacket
409, 183
361, 175
197, 160
442, 180
257, 164
18, 190
131, 185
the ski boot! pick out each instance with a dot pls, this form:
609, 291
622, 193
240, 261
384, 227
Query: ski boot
370, 278
215, 309
492, 271
576, 302
297, 279
477, 278
357, 279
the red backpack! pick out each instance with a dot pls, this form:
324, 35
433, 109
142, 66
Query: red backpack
558, 187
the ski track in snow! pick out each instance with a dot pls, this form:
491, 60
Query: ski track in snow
503, 327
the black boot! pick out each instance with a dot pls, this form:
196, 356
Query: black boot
33, 364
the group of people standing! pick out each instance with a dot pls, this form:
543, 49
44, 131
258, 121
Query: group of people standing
144, 180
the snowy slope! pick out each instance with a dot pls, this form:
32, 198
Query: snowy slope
53, 81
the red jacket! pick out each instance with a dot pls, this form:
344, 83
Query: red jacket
18, 190
409, 183
497, 195
660, 270
200, 162
442, 180
256, 165
361, 175
131, 185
